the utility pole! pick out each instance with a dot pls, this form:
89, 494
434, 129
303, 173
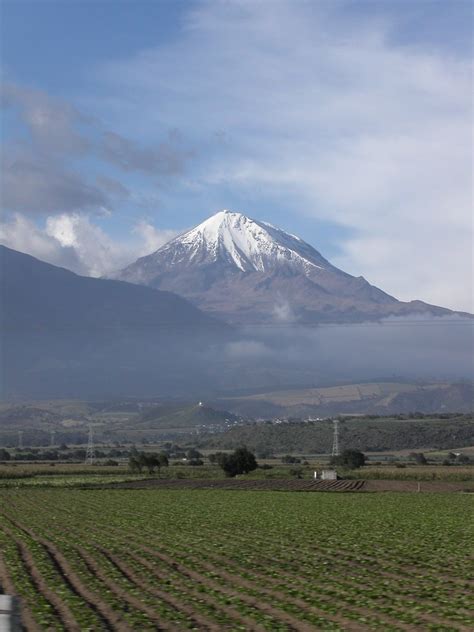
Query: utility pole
335, 441
90, 452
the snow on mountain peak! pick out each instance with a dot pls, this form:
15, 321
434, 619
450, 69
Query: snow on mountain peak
245, 243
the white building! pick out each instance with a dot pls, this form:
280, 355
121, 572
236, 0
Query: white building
326, 475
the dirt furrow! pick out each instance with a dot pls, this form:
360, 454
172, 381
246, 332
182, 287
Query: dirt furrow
60, 609
27, 620
106, 614
276, 613
249, 623
405, 574
244, 485
124, 595
299, 603
202, 622
296, 577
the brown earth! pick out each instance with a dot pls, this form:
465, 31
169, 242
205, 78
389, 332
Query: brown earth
297, 485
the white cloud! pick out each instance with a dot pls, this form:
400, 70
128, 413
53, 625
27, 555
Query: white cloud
152, 237
332, 115
23, 234
75, 242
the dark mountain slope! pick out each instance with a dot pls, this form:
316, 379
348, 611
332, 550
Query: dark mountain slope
67, 335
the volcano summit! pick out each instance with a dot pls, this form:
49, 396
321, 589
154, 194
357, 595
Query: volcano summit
249, 272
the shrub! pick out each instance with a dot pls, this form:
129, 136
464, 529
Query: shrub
349, 458
241, 461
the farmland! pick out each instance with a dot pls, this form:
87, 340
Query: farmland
169, 559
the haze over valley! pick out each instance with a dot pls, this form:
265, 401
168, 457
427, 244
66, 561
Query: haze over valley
234, 305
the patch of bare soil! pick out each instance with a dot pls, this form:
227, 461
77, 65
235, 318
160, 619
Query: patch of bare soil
294, 485
297, 485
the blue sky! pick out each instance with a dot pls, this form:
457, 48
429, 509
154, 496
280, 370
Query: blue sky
347, 123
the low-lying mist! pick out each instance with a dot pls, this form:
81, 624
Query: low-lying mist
180, 363
421, 349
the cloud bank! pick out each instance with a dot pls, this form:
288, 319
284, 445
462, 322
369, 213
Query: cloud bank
52, 199
334, 116
75, 242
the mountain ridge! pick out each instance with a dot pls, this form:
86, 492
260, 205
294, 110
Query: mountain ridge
247, 271
65, 334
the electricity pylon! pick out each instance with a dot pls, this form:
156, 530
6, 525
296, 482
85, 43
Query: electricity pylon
90, 452
335, 441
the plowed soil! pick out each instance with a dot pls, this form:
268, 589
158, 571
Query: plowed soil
296, 485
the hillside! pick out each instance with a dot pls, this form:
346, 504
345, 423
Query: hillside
377, 398
66, 335
173, 417
385, 434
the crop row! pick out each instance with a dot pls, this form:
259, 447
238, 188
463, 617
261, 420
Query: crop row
221, 560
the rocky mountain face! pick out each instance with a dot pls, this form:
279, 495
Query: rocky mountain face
249, 272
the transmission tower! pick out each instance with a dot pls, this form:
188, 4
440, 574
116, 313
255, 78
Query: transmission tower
90, 453
20, 439
335, 441
52, 440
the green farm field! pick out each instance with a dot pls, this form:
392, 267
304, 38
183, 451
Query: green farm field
235, 560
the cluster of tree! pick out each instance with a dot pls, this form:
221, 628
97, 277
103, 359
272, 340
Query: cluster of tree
457, 459
241, 461
290, 459
194, 457
33, 454
418, 457
151, 461
4, 455
352, 459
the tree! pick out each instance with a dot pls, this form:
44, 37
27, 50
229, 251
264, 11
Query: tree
349, 458
297, 472
149, 460
419, 457
290, 459
4, 455
241, 461
192, 453
135, 463
153, 461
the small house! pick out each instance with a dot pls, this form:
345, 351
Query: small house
329, 475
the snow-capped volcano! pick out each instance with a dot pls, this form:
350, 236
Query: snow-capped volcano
233, 241
245, 243
248, 271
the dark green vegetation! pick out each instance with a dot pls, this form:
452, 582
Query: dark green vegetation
361, 433
153, 421
351, 459
148, 559
241, 461
149, 461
